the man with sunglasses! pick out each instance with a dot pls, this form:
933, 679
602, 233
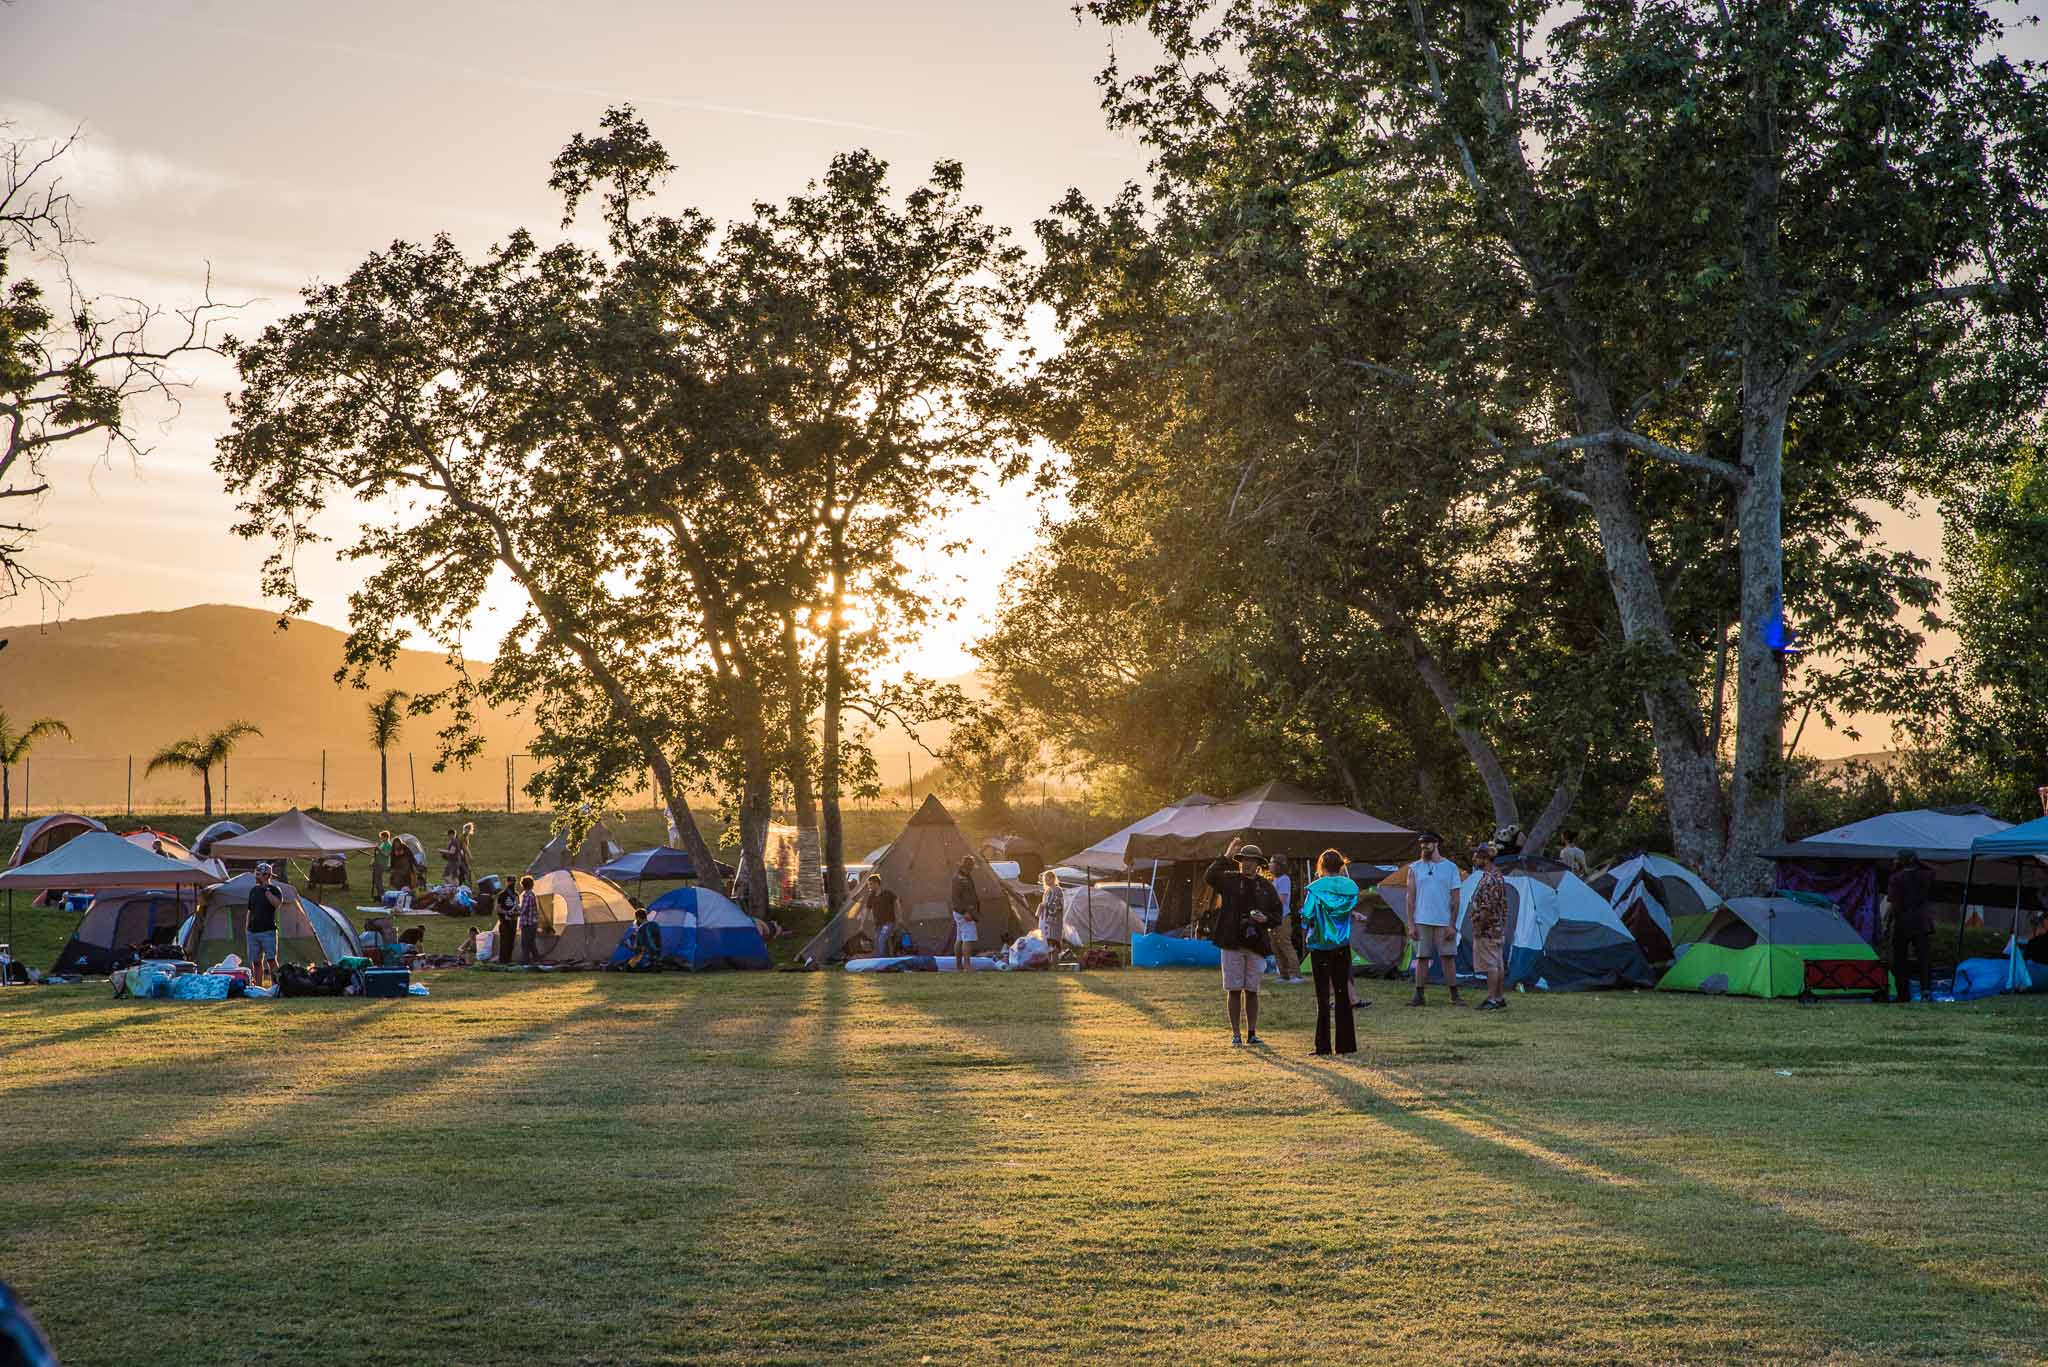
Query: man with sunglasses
1433, 918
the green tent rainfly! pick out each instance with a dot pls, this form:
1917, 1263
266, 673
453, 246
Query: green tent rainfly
1761, 946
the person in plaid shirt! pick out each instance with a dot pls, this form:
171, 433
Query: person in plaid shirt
1490, 927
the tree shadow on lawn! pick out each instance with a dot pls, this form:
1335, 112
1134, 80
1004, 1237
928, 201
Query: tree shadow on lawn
1755, 1252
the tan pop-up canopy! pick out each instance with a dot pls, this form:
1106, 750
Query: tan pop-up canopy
292, 836
1279, 818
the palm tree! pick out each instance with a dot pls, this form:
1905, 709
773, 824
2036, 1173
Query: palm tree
386, 720
14, 749
200, 754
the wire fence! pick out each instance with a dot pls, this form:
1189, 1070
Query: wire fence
331, 780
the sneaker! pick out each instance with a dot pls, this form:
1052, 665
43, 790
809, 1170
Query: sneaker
1361, 1003
1254, 1040
1236, 1041
1457, 1000
1416, 1000
1490, 1005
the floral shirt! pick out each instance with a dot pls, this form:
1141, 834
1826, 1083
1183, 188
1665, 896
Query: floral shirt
1490, 906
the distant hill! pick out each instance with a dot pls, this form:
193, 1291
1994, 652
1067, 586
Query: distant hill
128, 685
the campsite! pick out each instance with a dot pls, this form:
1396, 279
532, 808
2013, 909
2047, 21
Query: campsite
1133, 681
793, 1166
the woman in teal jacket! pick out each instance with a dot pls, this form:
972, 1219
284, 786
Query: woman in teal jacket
1326, 913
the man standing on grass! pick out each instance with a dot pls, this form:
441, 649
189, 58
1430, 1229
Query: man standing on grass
1906, 892
966, 913
1247, 908
882, 905
1433, 924
262, 934
1490, 928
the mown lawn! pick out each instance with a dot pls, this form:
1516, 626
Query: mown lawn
802, 1167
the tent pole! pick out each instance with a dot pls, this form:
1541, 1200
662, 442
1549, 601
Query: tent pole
1963, 911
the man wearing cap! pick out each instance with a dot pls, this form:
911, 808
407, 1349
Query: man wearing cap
1490, 927
1247, 907
1433, 919
262, 931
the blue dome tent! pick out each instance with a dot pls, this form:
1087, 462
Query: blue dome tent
701, 929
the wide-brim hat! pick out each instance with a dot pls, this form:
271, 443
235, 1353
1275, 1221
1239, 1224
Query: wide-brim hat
1251, 852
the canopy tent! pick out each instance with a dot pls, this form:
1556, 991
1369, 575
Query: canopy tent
701, 929
115, 924
661, 864
47, 833
599, 847
98, 860
2023, 848
1848, 865
307, 933
219, 830
1279, 818
919, 868
1110, 856
1647, 891
1098, 916
581, 917
292, 836
1761, 946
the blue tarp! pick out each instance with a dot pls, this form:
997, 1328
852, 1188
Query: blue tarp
2009, 973
1171, 951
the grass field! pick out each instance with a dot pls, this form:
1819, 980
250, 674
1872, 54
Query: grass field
801, 1167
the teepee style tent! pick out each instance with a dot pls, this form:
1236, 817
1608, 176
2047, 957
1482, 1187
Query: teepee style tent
581, 917
1762, 947
599, 847
919, 869
1110, 856
292, 836
1647, 891
114, 924
307, 933
47, 833
701, 929
1093, 916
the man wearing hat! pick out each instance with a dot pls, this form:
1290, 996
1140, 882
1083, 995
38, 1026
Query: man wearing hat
1246, 910
262, 932
1433, 918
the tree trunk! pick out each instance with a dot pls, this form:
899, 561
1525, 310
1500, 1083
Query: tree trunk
384, 781
835, 693
1556, 810
1485, 759
811, 881
7, 792
1756, 796
206, 790
755, 810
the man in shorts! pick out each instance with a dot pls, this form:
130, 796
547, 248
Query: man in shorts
262, 934
1247, 908
1433, 923
1490, 927
966, 905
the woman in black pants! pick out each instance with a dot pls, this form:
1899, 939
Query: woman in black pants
1326, 914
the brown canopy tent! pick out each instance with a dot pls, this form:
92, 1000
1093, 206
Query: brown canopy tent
292, 836
919, 869
1279, 818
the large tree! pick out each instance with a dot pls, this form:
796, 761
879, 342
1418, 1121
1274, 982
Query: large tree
1706, 214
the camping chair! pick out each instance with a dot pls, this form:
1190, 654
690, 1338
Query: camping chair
330, 872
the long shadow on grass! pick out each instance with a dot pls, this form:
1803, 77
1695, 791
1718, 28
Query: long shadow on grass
1777, 1244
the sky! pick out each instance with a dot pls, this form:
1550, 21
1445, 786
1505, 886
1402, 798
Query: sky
272, 144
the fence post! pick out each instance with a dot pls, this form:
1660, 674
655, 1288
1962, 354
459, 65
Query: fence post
413, 775
508, 783
323, 778
224, 807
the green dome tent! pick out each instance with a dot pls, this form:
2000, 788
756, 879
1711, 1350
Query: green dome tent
1775, 947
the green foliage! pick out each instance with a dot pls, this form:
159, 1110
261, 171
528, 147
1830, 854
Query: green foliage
1997, 553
